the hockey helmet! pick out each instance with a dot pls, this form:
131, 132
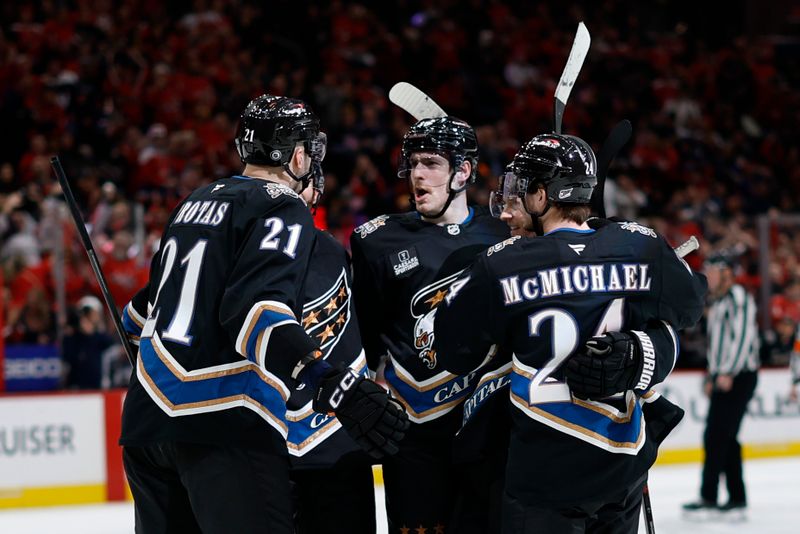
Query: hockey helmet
451, 137
270, 128
564, 164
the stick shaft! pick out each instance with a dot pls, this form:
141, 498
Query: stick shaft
87, 245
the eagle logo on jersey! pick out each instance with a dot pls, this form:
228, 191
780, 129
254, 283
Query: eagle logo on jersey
370, 226
423, 309
636, 227
326, 317
276, 190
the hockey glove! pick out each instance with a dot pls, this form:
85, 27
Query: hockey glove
609, 364
366, 410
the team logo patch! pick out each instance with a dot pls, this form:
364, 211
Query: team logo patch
453, 229
370, 226
276, 190
404, 260
423, 309
636, 227
501, 245
551, 143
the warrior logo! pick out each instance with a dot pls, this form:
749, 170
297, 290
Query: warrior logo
326, 317
423, 309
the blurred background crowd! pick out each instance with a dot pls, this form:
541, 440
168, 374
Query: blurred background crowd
140, 98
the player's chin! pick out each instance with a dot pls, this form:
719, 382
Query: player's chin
428, 209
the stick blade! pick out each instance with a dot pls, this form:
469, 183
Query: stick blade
415, 102
580, 47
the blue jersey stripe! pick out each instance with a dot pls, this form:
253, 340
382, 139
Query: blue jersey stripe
205, 394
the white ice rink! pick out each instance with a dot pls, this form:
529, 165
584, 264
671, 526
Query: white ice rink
773, 491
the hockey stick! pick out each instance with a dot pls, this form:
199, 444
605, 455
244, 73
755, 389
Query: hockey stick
617, 138
690, 245
681, 250
415, 102
87, 245
580, 47
647, 506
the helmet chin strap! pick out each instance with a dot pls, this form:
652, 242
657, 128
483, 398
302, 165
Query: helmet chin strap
304, 178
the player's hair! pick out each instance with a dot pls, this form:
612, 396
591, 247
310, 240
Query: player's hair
577, 213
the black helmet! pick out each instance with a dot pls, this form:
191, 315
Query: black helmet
270, 128
448, 136
565, 164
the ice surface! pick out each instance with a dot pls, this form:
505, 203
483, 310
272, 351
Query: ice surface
773, 491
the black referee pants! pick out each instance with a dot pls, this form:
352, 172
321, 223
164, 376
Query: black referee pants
723, 452
188, 488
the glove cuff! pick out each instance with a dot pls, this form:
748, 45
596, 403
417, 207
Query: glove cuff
311, 369
647, 361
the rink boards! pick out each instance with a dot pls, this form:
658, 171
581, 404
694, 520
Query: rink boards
62, 448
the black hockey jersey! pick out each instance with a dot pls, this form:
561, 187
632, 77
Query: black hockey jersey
543, 298
317, 440
220, 331
402, 268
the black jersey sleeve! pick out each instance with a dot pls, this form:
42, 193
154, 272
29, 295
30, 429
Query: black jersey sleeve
683, 291
369, 305
259, 306
134, 314
666, 349
466, 323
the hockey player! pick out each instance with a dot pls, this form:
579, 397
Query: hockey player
575, 465
221, 345
403, 265
332, 477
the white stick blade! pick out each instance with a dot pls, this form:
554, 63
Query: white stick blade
415, 102
580, 47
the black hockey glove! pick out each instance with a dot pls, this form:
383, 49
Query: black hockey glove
609, 364
366, 410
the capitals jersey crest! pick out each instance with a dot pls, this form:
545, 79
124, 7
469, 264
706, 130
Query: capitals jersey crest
423, 310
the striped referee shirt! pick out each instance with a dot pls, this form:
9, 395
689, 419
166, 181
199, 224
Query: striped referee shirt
795, 361
733, 333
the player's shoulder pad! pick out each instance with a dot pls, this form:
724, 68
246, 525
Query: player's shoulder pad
483, 220
329, 243
632, 226
381, 223
502, 245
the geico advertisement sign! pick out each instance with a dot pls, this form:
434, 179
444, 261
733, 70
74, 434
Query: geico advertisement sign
51, 440
770, 418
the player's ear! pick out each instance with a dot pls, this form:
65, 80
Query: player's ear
463, 173
299, 157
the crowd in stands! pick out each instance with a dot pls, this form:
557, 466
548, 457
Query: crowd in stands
140, 99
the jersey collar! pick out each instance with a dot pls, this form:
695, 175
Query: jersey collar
573, 230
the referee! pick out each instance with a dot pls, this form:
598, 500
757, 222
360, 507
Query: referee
733, 344
794, 366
